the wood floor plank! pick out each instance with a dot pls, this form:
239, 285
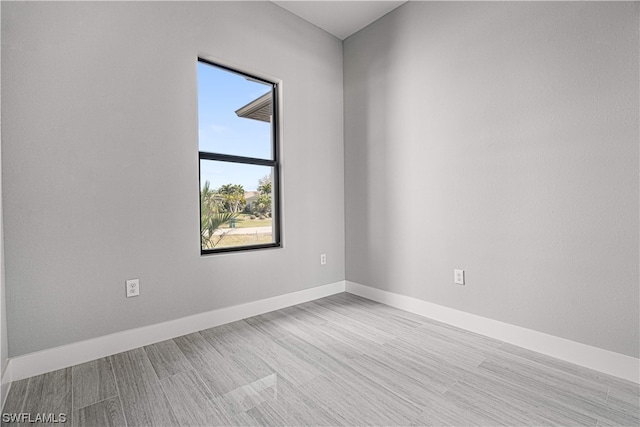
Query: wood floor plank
460, 335
368, 318
219, 374
243, 343
304, 316
623, 405
355, 401
360, 344
234, 341
342, 350
33, 395
351, 300
269, 324
388, 314
49, 393
625, 400
386, 310
548, 380
15, 401
424, 342
439, 371
310, 354
339, 377
435, 353
311, 332
622, 402
167, 359
106, 413
517, 395
245, 419
143, 401
401, 376
454, 337
265, 415
92, 382
192, 402
284, 363
487, 405
568, 395
248, 396
443, 411
230, 337
609, 417
244, 359
358, 328
331, 336
624, 391
288, 405
15, 398
567, 367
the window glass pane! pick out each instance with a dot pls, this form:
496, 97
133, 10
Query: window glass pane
236, 205
234, 113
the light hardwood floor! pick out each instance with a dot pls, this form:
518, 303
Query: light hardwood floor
341, 360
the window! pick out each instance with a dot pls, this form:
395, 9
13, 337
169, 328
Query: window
238, 151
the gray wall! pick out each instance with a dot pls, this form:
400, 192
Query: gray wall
502, 139
100, 165
4, 343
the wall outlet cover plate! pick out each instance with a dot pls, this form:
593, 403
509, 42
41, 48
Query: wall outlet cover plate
458, 277
133, 288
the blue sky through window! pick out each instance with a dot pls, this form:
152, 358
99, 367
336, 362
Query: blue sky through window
220, 130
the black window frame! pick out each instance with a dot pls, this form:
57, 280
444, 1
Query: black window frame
274, 163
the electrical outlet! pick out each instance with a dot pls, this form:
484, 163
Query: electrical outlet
458, 277
133, 288
323, 259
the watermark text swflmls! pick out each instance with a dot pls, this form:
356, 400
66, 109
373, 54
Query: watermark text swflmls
27, 417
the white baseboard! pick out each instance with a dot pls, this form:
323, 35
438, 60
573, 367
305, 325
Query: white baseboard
5, 383
48, 360
595, 358
51, 359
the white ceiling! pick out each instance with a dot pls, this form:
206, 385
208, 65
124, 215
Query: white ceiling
340, 18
